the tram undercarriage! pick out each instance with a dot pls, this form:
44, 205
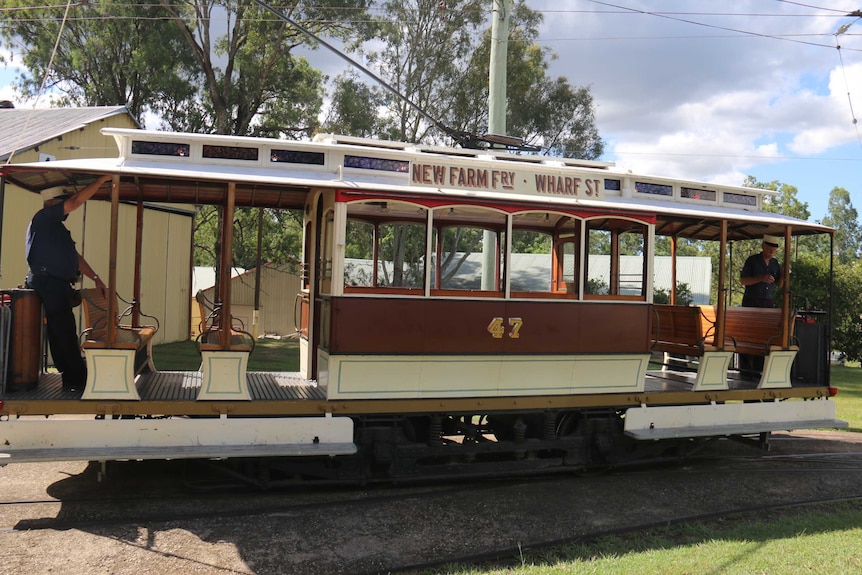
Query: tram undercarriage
441, 447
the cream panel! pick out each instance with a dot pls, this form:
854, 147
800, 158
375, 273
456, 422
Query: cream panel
483, 376
462, 376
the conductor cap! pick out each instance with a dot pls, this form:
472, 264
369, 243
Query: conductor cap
772, 241
55, 192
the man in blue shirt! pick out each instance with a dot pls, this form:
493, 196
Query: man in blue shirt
760, 275
55, 265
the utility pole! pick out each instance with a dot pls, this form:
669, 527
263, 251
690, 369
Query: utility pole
500, 17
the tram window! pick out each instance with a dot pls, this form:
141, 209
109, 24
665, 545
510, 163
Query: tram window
653, 189
401, 255
599, 276
467, 252
616, 263
568, 259
359, 254
631, 272
382, 250
531, 261
460, 262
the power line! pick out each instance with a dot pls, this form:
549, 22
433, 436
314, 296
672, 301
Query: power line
704, 24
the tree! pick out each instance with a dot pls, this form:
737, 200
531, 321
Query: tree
354, 108
253, 84
847, 311
845, 219
426, 47
544, 111
108, 54
435, 56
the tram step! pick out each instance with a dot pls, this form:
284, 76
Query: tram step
736, 429
175, 452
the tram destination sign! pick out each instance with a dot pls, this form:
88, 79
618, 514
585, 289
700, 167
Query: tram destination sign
546, 181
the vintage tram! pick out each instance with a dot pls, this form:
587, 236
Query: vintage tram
477, 307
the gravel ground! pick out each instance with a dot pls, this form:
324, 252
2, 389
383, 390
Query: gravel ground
168, 530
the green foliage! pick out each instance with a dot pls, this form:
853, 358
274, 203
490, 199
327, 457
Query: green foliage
281, 238
353, 110
847, 310
845, 219
435, 56
108, 54
543, 110
683, 295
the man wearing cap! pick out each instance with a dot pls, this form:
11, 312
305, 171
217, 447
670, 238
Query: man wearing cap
761, 273
54, 266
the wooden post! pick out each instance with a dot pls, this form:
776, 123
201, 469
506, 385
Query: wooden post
787, 328
226, 263
111, 328
673, 270
720, 304
139, 246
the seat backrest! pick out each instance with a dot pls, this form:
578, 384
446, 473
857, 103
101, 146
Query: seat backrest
95, 313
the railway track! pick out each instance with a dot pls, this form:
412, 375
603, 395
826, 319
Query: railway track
145, 513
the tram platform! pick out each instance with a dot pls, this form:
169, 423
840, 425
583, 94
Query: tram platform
172, 386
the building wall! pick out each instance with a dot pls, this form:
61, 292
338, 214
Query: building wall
166, 260
279, 288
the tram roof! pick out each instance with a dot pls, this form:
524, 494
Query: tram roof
197, 169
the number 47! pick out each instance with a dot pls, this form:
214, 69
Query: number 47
497, 328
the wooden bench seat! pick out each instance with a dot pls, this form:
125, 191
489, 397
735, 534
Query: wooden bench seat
749, 330
758, 331
111, 366
210, 338
681, 330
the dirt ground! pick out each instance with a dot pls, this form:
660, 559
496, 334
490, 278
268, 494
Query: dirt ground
138, 521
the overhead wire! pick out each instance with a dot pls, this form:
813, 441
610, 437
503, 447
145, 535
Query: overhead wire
841, 31
716, 26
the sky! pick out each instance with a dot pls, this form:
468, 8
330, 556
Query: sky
710, 90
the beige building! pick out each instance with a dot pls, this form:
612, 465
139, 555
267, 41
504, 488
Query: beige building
278, 290
44, 135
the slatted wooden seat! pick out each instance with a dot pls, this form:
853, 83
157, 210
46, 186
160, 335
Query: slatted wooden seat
210, 338
94, 336
681, 330
750, 330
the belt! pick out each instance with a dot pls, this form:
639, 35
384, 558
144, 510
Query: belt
44, 273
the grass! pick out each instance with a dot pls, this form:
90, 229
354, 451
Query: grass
848, 402
268, 355
822, 540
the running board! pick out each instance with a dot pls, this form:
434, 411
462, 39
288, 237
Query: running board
670, 422
40, 440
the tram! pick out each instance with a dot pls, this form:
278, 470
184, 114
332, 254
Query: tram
457, 306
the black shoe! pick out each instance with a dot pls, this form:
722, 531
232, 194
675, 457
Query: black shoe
72, 388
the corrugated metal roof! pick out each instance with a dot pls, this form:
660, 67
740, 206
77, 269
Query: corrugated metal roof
22, 129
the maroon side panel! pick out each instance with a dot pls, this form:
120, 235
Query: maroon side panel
615, 326
448, 326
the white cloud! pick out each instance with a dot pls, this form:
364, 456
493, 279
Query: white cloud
685, 100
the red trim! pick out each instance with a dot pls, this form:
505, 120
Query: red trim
509, 207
